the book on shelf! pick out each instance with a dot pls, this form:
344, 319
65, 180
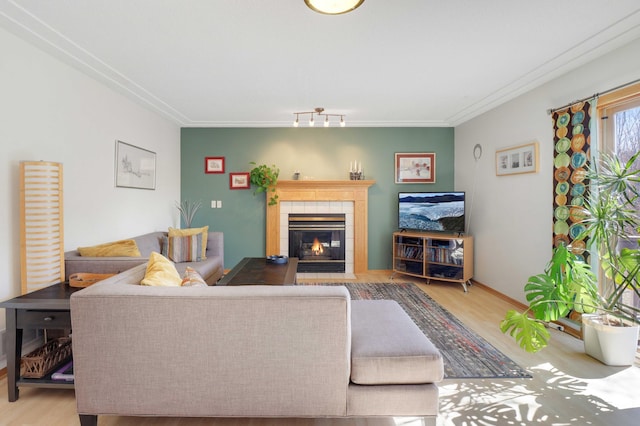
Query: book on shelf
410, 252
64, 373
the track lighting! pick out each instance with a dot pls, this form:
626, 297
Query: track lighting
320, 112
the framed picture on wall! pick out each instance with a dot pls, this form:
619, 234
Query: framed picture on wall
415, 167
517, 159
135, 167
214, 165
239, 180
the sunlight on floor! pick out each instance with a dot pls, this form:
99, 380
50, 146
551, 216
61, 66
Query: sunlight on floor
610, 400
487, 404
619, 390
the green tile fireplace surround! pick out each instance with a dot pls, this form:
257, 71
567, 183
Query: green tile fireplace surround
318, 153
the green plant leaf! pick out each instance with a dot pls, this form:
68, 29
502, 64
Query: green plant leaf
630, 260
547, 301
582, 286
529, 333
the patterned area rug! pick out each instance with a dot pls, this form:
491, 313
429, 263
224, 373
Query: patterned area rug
466, 355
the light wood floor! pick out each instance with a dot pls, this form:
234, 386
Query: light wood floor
567, 388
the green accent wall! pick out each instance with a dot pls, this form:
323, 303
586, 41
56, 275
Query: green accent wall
318, 153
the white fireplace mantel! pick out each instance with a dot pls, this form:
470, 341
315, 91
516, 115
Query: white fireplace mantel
356, 191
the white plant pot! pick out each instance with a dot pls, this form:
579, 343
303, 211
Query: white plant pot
611, 345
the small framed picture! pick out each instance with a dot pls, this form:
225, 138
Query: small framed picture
517, 159
214, 165
239, 180
415, 167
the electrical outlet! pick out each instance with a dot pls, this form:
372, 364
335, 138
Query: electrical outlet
219, 204
213, 204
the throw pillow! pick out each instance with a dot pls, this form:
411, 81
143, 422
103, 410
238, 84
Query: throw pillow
161, 272
173, 232
125, 248
193, 279
185, 249
164, 246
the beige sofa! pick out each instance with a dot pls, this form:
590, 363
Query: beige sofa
211, 269
246, 351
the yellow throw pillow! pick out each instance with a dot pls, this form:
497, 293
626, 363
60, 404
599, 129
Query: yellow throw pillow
161, 272
123, 248
173, 232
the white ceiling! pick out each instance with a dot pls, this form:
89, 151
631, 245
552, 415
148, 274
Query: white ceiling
252, 63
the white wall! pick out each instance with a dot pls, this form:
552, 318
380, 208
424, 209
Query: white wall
49, 111
511, 216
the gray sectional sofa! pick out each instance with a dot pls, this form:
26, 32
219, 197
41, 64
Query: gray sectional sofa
246, 351
211, 269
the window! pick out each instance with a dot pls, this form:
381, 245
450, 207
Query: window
619, 114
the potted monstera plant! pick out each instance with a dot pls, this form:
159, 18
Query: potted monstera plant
610, 318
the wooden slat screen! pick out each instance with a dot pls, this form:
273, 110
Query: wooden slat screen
41, 225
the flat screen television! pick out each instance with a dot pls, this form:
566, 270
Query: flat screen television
432, 211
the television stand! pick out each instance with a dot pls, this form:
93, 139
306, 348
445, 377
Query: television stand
434, 256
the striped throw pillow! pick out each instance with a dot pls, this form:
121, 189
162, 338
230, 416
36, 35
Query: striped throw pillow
192, 278
187, 248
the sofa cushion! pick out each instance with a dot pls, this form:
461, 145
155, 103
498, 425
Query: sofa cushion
204, 231
192, 278
122, 248
161, 272
187, 248
211, 269
388, 348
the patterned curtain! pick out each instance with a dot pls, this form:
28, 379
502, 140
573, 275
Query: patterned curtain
572, 155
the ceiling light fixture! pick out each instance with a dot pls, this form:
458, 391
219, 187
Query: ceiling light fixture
333, 7
319, 112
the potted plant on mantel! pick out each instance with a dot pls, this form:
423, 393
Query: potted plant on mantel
610, 323
265, 179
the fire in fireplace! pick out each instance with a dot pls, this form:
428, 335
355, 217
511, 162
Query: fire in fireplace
317, 240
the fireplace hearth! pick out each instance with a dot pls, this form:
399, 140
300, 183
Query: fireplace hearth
318, 241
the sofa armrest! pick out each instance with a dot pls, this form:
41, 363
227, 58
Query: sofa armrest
74, 263
215, 245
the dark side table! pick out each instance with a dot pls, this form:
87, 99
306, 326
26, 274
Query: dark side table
47, 308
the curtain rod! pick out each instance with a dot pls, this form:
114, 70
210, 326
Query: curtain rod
594, 96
